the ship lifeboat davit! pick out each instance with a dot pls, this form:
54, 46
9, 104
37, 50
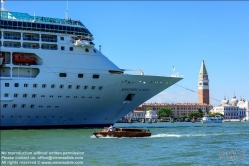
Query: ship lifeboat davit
84, 43
23, 59
1, 59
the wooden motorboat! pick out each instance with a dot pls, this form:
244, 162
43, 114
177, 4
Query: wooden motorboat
123, 132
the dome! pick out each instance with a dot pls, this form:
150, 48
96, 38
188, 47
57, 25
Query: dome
241, 102
234, 101
224, 101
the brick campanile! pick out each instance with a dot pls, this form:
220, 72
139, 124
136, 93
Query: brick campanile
203, 85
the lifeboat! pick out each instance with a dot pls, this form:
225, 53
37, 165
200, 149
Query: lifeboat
1, 59
122, 132
23, 59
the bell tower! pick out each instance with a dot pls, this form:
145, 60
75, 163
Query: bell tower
203, 85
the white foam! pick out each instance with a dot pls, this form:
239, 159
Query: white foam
192, 135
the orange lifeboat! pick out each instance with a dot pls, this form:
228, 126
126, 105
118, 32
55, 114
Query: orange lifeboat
23, 59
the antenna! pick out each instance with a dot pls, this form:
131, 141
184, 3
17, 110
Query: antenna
99, 48
67, 11
174, 70
2, 5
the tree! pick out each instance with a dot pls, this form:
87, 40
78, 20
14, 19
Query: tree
200, 112
148, 108
165, 112
212, 114
182, 116
191, 115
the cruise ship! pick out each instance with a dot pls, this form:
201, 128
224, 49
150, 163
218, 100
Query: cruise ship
52, 76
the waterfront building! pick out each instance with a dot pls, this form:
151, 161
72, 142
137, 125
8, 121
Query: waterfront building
151, 114
232, 110
178, 109
134, 115
203, 85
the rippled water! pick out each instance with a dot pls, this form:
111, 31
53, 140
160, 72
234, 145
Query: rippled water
170, 144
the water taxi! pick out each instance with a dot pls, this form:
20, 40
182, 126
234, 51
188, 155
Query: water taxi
122, 132
208, 119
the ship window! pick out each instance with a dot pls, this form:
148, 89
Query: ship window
61, 86
129, 97
5, 105
7, 84
23, 106
6, 95
15, 95
34, 85
43, 85
42, 95
69, 86
78, 87
25, 95
32, 106
85, 87
67, 96
80, 75
83, 97
75, 96
62, 48
93, 87
62, 74
14, 106
71, 48
95, 76
16, 84
33, 95
87, 50
25, 85
94, 50
56, 106
62, 38
51, 96
53, 86
101, 87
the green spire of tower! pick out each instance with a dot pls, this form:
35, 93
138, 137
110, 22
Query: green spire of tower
203, 69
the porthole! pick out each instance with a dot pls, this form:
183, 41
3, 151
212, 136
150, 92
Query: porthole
80, 75
87, 50
7, 84
16, 85
62, 74
95, 76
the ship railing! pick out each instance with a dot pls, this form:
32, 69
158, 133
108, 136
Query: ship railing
176, 75
140, 71
12, 37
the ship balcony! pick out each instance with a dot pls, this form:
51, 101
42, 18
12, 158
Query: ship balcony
12, 44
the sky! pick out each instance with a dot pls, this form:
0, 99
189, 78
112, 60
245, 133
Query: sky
156, 35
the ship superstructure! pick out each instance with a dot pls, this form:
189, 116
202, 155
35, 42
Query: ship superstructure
52, 76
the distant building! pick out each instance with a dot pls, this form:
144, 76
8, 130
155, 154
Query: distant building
234, 109
151, 114
203, 85
178, 109
134, 115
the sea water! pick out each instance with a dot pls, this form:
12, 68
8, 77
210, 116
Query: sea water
179, 143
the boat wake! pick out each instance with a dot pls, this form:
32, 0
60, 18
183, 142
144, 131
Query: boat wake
195, 135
